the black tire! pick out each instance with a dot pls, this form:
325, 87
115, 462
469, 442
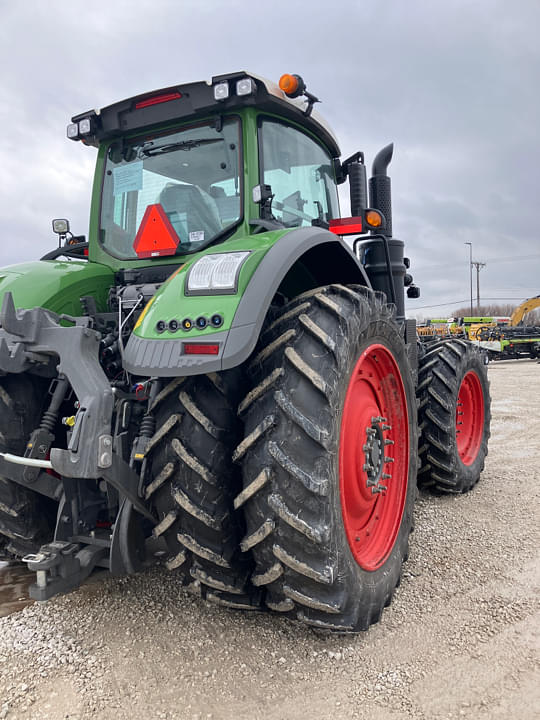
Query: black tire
448, 463
193, 483
290, 455
27, 519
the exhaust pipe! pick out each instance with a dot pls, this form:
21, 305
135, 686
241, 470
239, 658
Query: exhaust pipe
382, 254
380, 191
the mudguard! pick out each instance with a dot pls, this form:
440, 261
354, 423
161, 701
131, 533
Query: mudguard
166, 357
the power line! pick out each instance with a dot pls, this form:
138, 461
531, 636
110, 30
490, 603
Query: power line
509, 258
452, 302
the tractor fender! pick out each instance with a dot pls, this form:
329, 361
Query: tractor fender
323, 259
335, 263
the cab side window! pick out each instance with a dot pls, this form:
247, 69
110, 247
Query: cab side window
300, 173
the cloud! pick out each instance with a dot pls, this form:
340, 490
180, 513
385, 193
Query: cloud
454, 85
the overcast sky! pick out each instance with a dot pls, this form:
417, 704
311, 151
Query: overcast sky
454, 84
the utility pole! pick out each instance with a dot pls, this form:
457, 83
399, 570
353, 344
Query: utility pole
478, 266
470, 270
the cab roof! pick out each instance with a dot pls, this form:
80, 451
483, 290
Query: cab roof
197, 100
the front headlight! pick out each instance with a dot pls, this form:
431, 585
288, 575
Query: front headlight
215, 274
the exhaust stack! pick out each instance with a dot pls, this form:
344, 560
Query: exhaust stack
382, 254
380, 191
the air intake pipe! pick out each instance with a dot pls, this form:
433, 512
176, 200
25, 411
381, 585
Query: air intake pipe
357, 187
382, 254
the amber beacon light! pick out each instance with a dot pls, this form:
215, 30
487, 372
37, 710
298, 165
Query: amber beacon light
292, 85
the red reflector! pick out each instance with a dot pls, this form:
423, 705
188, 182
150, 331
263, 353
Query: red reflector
101, 524
346, 226
201, 349
85, 252
155, 236
157, 99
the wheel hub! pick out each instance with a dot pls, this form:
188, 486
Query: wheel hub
375, 458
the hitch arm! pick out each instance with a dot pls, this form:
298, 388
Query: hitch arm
62, 566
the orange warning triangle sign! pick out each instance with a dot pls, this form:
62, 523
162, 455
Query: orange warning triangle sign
155, 236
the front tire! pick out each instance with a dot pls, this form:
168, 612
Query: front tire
329, 458
454, 416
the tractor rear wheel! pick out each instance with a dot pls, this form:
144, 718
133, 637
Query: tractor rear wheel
329, 458
27, 519
193, 483
454, 416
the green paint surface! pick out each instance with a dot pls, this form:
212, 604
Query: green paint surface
56, 285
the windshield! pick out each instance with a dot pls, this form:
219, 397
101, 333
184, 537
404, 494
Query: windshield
192, 173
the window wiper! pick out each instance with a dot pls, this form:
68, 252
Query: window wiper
183, 145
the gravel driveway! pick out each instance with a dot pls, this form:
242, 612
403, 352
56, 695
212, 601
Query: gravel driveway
461, 638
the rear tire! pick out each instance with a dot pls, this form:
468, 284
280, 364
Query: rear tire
454, 416
193, 485
331, 367
27, 519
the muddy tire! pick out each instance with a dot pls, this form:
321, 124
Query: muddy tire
332, 393
454, 416
193, 483
27, 519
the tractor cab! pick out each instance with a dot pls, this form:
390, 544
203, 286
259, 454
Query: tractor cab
201, 164
189, 183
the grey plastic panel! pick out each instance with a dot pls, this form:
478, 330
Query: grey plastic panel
165, 358
239, 345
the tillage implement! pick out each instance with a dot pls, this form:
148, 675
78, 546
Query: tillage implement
222, 379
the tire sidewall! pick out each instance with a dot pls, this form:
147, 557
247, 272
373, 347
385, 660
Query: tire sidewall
472, 362
382, 581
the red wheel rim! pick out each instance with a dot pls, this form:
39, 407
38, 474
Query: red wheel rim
469, 418
374, 457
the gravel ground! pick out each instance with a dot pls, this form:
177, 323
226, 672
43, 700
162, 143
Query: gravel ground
461, 638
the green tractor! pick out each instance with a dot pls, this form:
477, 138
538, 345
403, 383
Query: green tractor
216, 381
